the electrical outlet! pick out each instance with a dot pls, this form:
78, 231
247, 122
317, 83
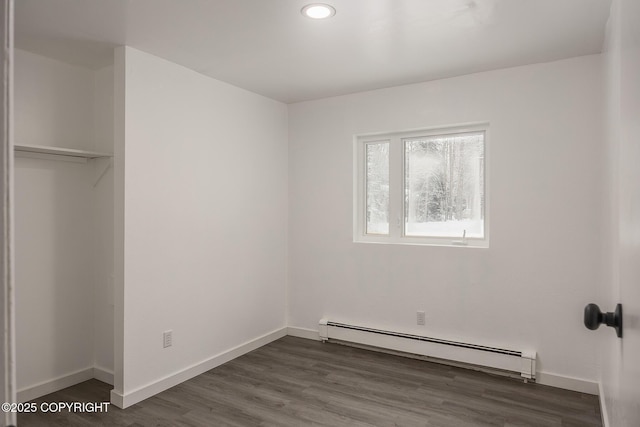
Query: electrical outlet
420, 317
167, 339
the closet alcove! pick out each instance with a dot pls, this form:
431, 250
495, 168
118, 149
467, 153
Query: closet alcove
64, 217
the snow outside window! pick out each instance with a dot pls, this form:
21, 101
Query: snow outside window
422, 187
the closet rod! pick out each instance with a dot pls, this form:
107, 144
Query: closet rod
68, 152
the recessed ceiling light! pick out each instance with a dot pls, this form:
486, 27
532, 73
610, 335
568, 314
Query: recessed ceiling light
318, 11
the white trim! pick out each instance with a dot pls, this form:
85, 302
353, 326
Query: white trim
7, 252
567, 383
603, 406
310, 334
50, 386
124, 400
544, 378
103, 374
117, 399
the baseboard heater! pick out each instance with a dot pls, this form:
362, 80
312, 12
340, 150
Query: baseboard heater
522, 362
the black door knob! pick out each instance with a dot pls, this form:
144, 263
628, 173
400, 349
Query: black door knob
593, 317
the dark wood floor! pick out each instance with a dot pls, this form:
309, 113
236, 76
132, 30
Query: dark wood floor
298, 382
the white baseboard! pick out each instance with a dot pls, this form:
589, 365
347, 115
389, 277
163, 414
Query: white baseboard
603, 406
567, 383
103, 374
117, 399
124, 400
50, 386
309, 334
553, 380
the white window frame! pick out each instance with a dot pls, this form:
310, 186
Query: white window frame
396, 187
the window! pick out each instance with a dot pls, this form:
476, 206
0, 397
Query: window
422, 187
377, 191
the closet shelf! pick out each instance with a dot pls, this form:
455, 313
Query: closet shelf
68, 152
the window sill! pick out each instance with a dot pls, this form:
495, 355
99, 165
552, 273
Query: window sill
443, 243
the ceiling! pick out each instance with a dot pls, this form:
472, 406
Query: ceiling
268, 47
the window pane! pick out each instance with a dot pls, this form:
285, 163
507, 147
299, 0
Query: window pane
444, 186
377, 188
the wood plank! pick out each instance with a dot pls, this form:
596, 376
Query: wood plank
297, 382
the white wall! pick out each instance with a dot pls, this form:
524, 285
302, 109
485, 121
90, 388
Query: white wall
620, 375
201, 218
529, 288
103, 211
54, 282
53, 103
204, 222
64, 227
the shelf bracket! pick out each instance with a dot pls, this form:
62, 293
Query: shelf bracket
104, 171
